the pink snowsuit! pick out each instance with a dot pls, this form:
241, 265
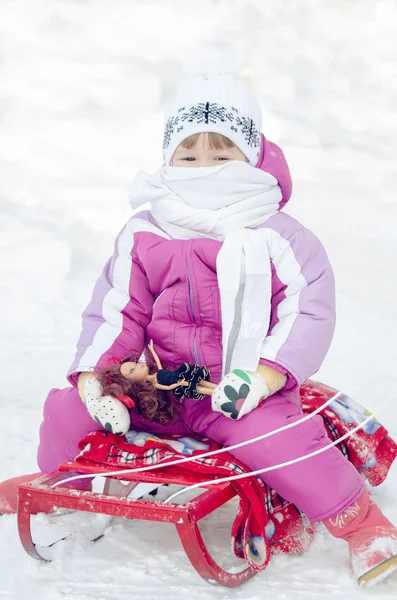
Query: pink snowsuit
167, 290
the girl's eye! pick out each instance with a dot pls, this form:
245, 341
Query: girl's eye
189, 158
221, 158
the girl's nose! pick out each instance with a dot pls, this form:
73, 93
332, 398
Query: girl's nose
204, 162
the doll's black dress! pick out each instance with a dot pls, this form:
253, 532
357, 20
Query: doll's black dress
193, 374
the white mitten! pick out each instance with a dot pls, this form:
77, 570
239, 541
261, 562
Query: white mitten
109, 412
238, 393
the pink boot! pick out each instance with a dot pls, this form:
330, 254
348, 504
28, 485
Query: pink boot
371, 537
9, 492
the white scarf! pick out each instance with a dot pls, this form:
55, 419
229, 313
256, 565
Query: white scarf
223, 203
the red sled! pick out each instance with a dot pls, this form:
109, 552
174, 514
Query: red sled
40, 496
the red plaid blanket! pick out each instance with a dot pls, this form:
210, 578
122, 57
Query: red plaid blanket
265, 523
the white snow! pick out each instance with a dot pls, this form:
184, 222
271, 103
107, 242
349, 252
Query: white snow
81, 88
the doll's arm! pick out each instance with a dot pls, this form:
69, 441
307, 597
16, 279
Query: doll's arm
159, 386
204, 390
155, 355
207, 384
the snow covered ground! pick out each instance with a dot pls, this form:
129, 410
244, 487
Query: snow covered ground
81, 88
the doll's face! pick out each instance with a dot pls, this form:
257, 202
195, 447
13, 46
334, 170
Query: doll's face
134, 371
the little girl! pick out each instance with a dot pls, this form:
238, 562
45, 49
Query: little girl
217, 275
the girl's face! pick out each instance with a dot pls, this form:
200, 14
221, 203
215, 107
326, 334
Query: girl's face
134, 371
202, 155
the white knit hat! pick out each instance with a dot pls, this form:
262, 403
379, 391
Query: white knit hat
213, 102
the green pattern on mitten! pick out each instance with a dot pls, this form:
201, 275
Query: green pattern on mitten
242, 374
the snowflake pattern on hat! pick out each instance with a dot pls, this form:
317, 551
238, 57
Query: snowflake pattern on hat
249, 130
206, 113
170, 127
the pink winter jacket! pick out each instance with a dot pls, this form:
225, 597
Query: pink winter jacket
167, 290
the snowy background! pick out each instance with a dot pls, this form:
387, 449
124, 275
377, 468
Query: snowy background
82, 84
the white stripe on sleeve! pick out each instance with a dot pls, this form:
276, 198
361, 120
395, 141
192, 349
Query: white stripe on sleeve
118, 295
289, 272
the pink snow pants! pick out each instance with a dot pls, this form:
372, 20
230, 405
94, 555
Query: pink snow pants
322, 486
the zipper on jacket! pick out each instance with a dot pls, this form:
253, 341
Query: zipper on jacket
196, 357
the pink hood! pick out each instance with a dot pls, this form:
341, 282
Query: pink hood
272, 160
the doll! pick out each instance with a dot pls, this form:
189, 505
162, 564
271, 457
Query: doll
191, 377
145, 387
